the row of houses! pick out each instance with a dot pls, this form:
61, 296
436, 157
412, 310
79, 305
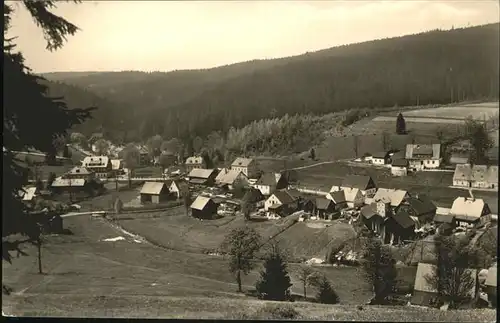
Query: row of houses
476, 176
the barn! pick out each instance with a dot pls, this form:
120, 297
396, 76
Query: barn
154, 192
204, 208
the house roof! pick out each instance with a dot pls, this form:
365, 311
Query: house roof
467, 207
351, 194
403, 219
284, 197
222, 173
181, 185
357, 181
394, 196
462, 172
194, 160
66, 182
28, 193
381, 154
336, 183
421, 204
398, 155
322, 203
78, 170
294, 193
491, 279
200, 203
115, 164
479, 173
442, 218
433, 150
201, 173
268, 179
242, 162
425, 272
95, 161
253, 195
153, 188
368, 211
230, 177
400, 162
337, 197
492, 175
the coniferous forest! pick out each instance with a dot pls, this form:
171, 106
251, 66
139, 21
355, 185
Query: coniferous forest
434, 67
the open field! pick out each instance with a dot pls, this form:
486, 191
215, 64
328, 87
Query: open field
434, 184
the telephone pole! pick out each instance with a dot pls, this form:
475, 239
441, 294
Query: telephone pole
356, 145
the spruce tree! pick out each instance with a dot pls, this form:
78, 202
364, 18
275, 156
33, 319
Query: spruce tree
400, 125
274, 283
326, 293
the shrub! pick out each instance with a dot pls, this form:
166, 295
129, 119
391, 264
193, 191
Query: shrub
272, 311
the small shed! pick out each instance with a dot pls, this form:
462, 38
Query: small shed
399, 227
380, 158
324, 208
399, 167
154, 192
204, 208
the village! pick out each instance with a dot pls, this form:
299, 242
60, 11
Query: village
396, 216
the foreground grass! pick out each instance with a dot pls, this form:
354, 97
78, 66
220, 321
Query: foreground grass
225, 308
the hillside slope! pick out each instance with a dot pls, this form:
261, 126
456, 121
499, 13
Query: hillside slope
432, 67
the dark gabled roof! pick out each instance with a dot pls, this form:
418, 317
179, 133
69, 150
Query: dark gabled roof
368, 211
403, 219
401, 162
294, 193
284, 197
381, 154
361, 182
253, 195
267, 179
338, 197
421, 204
443, 218
322, 203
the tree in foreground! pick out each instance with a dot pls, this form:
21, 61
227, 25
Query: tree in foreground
380, 270
241, 245
274, 283
453, 277
25, 103
400, 124
326, 293
307, 277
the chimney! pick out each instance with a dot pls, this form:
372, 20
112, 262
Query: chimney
471, 195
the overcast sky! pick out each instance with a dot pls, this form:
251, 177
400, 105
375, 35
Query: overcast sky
168, 35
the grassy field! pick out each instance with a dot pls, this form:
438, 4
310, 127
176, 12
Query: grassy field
435, 184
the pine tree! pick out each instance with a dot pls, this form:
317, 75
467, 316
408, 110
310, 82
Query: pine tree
326, 293
274, 283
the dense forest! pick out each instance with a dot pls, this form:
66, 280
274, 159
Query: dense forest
432, 67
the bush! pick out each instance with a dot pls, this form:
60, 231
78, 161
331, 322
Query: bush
271, 311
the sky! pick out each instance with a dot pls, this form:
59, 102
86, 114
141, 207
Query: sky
171, 35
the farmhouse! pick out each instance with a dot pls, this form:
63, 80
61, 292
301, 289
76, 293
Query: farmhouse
79, 172
353, 197
462, 176
281, 203
154, 192
268, 183
116, 164
395, 197
425, 291
372, 219
247, 166
423, 156
100, 165
179, 188
399, 167
60, 185
338, 199
484, 176
203, 208
324, 208
230, 178
363, 183
399, 227
419, 206
380, 158
194, 162
198, 176
470, 212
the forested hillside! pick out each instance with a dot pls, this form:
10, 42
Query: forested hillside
432, 67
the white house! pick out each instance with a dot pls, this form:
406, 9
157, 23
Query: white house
100, 165
353, 197
268, 183
399, 167
179, 188
470, 212
380, 158
194, 162
281, 203
247, 166
395, 197
423, 156
477, 176
230, 178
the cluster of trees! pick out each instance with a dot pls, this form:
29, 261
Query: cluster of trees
433, 67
